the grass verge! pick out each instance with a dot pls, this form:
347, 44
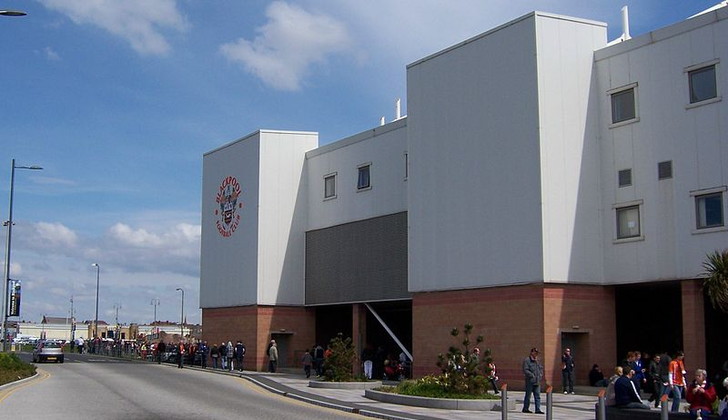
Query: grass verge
13, 369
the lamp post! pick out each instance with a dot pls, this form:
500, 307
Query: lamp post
182, 319
155, 303
96, 318
9, 224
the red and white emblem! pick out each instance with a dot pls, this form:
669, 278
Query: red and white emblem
228, 202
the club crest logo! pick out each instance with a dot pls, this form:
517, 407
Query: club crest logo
228, 203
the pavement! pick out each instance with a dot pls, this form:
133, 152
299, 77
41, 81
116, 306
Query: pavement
579, 406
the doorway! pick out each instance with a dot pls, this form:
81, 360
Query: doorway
578, 342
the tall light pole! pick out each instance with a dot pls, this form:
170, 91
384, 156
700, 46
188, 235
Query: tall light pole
9, 224
155, 303
96, 318
182, 319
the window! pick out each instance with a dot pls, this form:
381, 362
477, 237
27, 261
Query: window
406, 165
330, 186
709, 210
702, 84
628, 222
664, 170
625, 177
363, 181
623, 105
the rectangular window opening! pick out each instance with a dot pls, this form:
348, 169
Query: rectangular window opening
623, 106
709, 210
363, 180
628, 222
702, 84
330, 186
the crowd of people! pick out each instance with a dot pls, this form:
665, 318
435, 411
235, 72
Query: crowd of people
658, 376
635, 377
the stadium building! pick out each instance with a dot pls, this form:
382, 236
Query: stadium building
547, 186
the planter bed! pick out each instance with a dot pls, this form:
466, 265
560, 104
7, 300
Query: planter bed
345, 385
443, 403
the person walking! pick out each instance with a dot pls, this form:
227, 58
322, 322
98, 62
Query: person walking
367, 357
239, 354
567, 371
533, 372
230, 353
307, 361
181, 355
677, 380
203, 351
223, 355
272, 357
161, 348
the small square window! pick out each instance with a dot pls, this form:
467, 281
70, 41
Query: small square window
702, 84
623, 106
709, 210
625, 177
363, 181
664, 170
330, 186
628, 222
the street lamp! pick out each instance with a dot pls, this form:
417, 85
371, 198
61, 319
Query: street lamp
182, 319
155, 303
96, 318
9, 224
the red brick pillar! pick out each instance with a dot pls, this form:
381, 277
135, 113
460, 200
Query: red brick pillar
693, 316
358, 332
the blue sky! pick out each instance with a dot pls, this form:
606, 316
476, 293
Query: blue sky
118, 101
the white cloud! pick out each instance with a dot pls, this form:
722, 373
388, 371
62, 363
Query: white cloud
286, 47
55, 234
181, 234
51, 54
139, 22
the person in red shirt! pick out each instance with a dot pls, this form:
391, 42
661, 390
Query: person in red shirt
677, 380
700, 395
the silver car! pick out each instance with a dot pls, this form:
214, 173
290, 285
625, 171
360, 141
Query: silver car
48, 351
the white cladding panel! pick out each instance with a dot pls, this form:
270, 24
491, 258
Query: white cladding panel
282, 216
569, 148
695, 139
384, 149
229, 258
474, 192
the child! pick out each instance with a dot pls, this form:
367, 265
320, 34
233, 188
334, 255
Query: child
307, 360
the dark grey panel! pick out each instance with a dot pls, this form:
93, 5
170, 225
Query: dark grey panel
358, 262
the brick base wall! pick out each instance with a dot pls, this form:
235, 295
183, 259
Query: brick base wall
253, 325
512, 320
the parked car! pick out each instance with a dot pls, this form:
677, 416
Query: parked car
48, 351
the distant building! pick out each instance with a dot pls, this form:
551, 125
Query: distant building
549, 188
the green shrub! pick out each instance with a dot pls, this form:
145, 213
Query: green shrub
13, 369
339, 366
464, 372
433, 387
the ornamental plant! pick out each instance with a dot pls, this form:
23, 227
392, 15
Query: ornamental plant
464, 371
715, 282
339, 365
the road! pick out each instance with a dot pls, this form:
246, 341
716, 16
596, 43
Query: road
86, 386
